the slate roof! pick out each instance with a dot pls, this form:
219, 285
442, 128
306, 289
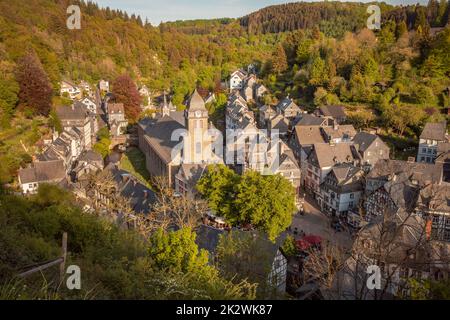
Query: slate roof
333, 111
423, 173
308, 135
341, 131
159, 136
348, 178
91, 155
435, 131
114, 108
141, 198
310, 120
403, 192
240, 73
327, 155
287, 103
192, 173
279, 122
43, 171
364, 140
76, 111
435, 197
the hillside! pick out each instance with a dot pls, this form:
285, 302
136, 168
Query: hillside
322, 65
114, 263
335, 18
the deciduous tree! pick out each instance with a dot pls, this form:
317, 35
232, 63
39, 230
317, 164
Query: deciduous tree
35, 88
126, 92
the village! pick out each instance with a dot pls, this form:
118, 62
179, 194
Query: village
345, 180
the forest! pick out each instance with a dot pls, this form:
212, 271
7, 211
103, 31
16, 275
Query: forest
395, 78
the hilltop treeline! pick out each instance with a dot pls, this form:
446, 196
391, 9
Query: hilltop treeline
335, 18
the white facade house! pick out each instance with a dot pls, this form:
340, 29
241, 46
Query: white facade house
41, 172
90, 105
341, 190
432, 135
71, 90
103, 85
237, 80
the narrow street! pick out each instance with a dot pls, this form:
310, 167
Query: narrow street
314, 222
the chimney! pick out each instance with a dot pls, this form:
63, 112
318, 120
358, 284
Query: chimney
145, 194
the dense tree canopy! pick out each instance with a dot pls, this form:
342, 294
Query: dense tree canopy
115, 263
266, 202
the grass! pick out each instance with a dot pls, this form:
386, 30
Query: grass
133, 161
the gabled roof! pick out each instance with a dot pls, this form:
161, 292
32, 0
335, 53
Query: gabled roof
423, 173
261, 87
91, 156
279, 122
327, 155
141, 198
435, 197
435, 131
363, 140
116, 108
402, 191
311, 120
347, 177
308, 135
341, 131
159, 134
76, 111
287, 103
288, 162
192, 173
208, 239
43, 171
333, 111
89, 99
240, 73
70, 83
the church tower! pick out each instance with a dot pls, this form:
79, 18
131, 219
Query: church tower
196, 120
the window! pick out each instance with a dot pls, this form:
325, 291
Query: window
198, 147
352, 196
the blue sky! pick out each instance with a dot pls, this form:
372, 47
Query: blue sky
170, 10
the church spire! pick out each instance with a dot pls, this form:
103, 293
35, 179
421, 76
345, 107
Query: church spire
196, 102
165, 108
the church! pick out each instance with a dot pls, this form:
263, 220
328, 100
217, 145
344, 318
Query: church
177, 143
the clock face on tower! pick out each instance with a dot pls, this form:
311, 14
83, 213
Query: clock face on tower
198, 114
